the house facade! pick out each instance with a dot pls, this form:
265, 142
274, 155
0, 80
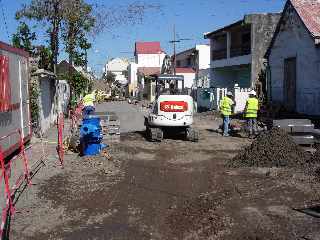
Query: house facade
119, 67
237, 53
197, 59
148, 62
294, 58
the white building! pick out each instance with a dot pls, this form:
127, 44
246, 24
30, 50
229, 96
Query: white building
197, 59
189, 75
294, 58
237, 55
119, 68
148, 61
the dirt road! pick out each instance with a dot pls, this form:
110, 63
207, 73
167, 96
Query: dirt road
168, 190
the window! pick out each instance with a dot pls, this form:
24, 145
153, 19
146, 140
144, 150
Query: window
178, 63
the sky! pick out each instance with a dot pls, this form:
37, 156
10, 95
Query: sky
191, 18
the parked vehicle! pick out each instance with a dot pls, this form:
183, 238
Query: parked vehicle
14, 98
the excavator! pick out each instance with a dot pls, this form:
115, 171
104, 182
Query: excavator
172, 110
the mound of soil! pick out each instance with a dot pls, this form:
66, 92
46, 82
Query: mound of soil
274, 148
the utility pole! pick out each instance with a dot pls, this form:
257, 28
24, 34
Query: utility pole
174, 41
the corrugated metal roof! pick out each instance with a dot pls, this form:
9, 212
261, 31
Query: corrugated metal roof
309, 12
148, 48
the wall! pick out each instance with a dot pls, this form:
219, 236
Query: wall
240, 97
204, 56
150, 60
54, 97
63, 93
183, 57
295, 41
262, 30
189, 79
228, 76
132, 79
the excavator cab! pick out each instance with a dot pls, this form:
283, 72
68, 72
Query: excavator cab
169, 85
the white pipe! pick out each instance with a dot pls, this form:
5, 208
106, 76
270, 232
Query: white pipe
21, 100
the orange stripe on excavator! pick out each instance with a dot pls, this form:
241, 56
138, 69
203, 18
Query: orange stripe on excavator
173, 106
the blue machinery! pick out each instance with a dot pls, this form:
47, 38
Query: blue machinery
91, 136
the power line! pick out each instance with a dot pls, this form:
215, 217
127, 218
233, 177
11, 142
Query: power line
4, 20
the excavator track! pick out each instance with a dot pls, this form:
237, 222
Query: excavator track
192, 135
154, 134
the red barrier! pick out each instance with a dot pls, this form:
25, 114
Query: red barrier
25, 159
7, 195
60, 138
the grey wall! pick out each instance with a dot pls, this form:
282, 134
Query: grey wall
262, 29
294, 40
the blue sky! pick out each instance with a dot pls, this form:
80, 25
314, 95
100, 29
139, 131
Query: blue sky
191, 17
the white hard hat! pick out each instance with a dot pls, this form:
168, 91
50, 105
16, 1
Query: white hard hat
253, 92
229, 94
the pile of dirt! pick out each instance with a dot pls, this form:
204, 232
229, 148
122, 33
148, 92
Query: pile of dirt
274, 148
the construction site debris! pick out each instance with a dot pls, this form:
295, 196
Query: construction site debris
198, 215
274, 148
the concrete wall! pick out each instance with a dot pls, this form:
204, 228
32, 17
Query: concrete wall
204, 56
189, 79
54, 97
262, 30
150, 60
227, 77
294, 40
132, 79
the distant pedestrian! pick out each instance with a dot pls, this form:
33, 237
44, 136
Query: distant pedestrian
88, 104
226, 110
251, 113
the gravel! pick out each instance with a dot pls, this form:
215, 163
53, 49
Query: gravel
274, 148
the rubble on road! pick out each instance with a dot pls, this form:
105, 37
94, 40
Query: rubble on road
274, 148
199, 216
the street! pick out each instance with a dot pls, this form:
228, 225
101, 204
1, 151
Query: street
169, 190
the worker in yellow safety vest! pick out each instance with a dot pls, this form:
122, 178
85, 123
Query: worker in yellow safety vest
251, 113
226, 110
88, 104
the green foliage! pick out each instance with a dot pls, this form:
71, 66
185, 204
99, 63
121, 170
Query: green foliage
23, 38
34, 102
45, 56
79, 83
109, 77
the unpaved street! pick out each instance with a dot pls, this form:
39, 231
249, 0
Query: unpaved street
168, 190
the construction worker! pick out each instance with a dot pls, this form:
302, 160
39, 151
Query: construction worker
88, 104
251, 113
226, 110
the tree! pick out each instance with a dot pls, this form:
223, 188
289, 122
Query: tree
110, 77
78, 21
24, 38
50, 13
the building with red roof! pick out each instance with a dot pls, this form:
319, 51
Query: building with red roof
294, 58
149, 58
